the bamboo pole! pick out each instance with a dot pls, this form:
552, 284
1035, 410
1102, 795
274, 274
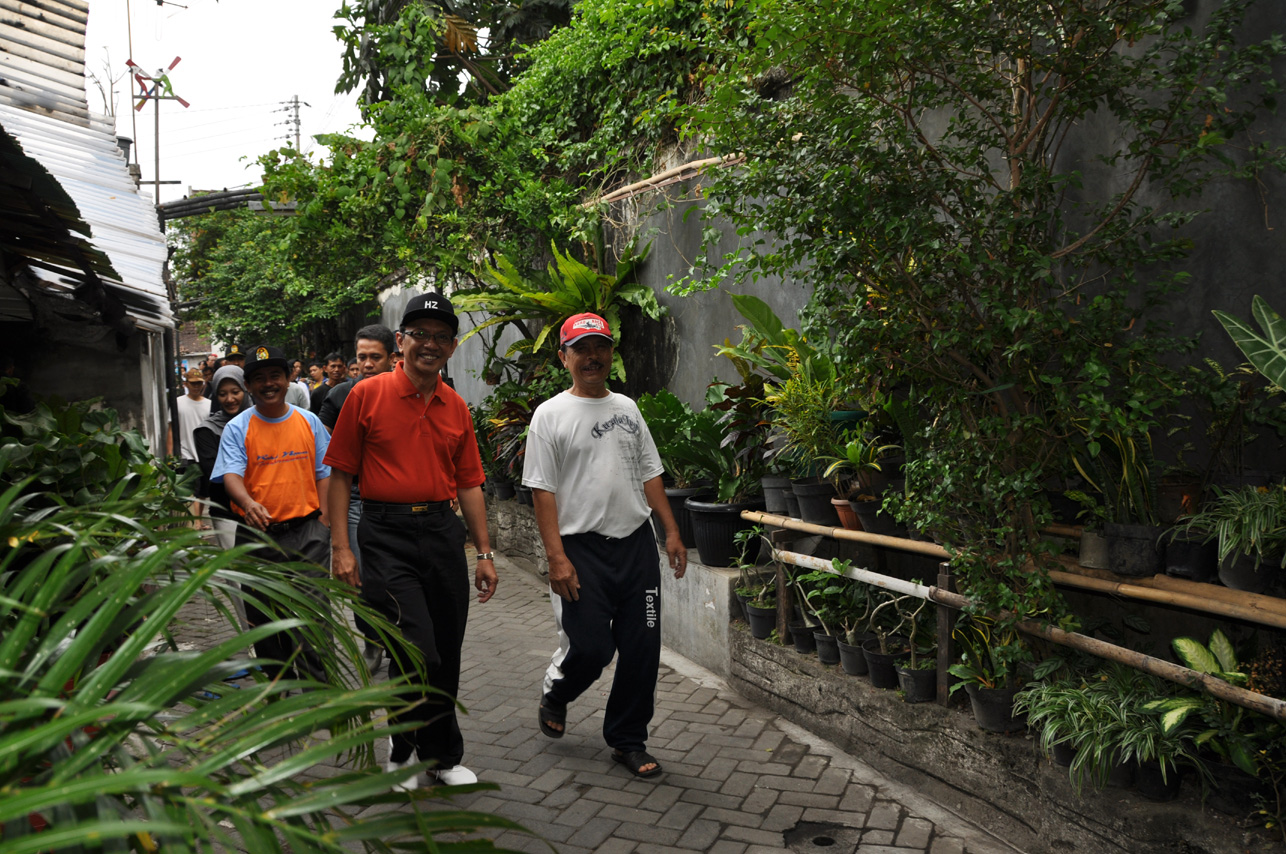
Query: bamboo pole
1205, 604
900, 543
1157, 667
1257, 601
1204, 598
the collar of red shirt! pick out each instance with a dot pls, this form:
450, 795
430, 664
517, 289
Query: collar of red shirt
406, 388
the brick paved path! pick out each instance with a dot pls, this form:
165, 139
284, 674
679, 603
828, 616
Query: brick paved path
738, 780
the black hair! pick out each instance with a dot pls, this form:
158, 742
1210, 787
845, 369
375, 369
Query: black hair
352, 361
334, 356
313, 363
380, 333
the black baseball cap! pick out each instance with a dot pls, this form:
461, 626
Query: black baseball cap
265, 357
234, 351
433, 305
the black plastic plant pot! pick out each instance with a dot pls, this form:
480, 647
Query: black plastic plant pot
1132, 550
882, 666
918, 686
815, 502
993, 709
677, 496
1191, 559
1148, 782
827, 648
762, 621
851, 659
715, 528
801, 634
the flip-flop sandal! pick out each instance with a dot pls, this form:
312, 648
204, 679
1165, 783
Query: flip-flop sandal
634, 760
550, 714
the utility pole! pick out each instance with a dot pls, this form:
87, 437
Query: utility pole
292, 107
160, 90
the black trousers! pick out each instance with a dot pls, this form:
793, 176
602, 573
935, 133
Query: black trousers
309, 542
618, 612
414, 571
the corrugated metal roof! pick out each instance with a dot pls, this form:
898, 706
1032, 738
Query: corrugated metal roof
40, 71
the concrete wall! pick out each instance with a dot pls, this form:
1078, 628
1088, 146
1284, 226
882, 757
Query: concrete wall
1000, 782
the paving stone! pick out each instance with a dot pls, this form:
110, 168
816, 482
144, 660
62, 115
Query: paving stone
782, 817
946, 845
877, 837
739, 784
858, 798
593, 833
885, 815
701, 835
737, 817
809, 799
724, 846
914, 833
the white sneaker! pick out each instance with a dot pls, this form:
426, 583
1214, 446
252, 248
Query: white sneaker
456, 776
411, 782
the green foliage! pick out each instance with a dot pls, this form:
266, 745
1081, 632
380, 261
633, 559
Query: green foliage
1249, 521
914, 179
77, 454
1231, 732
237, 271
567, 288
672, 424
1104, 717
1267, 352
989, 653
114, 737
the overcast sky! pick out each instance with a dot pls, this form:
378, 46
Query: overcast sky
242, 60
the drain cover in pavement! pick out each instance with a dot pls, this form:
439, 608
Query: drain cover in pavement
818, 837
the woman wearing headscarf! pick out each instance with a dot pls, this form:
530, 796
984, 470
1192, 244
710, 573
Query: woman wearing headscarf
229, 397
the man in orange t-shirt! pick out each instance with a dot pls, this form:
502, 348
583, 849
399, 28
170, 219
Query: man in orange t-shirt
409, 438
271, 463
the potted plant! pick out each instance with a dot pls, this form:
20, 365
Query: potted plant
1233, 738
825, 594
1118, 464
883, 651
987, 670
672, 424
918, 674
729, 453
756, 591
1249, 525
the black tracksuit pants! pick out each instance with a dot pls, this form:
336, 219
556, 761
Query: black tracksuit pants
414, 571
618, 612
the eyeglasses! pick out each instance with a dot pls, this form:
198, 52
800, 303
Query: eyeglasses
442, 339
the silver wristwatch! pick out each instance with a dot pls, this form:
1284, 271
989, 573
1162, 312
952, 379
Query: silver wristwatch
487, 556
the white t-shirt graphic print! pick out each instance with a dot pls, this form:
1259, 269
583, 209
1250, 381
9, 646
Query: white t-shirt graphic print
594, 454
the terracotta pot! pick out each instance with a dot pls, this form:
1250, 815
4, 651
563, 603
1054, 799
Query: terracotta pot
847, 517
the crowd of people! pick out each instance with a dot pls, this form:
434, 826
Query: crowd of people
368, 469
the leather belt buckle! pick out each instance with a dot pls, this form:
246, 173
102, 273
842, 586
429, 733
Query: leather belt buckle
419, 508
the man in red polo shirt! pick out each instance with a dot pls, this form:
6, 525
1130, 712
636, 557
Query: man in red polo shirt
409, 438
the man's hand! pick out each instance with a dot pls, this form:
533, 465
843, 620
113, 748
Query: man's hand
257, 516
677, 552
485, 579
343, 565
562, 578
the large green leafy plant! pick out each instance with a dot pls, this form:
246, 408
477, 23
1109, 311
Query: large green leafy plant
920, 179
112, 736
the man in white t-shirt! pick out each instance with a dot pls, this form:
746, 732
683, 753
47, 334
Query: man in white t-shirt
596, 478
192, 409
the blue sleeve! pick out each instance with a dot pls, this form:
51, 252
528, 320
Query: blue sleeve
321, 441
232, 451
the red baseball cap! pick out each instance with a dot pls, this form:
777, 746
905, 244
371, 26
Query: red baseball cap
579, 326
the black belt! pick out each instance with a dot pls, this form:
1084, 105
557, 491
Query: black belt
291, 524
419, 507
